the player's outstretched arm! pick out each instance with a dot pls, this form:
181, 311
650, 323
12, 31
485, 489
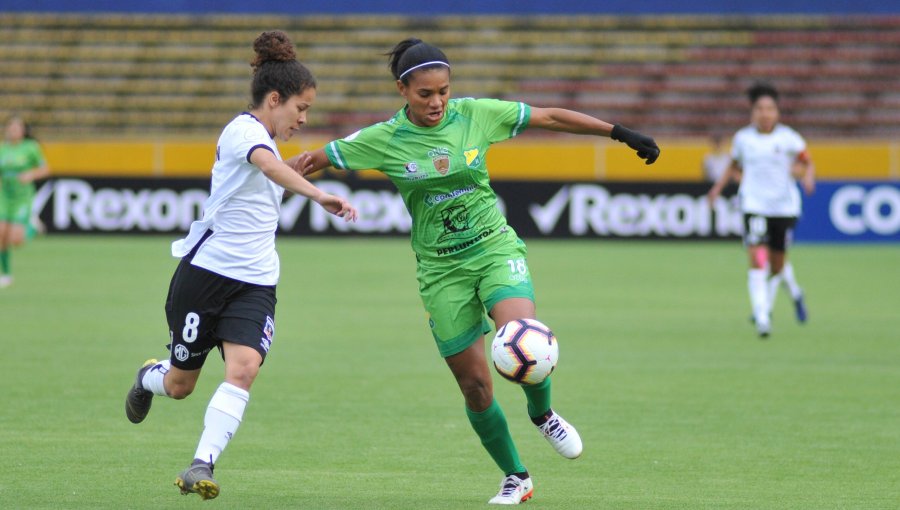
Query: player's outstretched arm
288, 178
732, 173
569, 121
309, 162
805, 172
38, 172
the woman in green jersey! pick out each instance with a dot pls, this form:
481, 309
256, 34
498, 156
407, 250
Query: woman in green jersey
21, 163
468, 259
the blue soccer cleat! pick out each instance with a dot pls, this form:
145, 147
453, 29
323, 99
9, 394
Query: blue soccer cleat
800, 309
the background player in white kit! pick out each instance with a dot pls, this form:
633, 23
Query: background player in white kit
768, 159
223, 292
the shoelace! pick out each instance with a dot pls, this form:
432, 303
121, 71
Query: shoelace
509, 488
210, 465
554, 429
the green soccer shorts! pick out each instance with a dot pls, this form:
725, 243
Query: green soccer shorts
457, 292
15, 204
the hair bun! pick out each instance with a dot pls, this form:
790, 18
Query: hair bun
272, 46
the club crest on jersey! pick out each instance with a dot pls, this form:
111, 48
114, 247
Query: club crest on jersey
473, 157
441, 159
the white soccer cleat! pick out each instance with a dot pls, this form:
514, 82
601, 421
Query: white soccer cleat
513, 490
763, 328
5, 281
562, 436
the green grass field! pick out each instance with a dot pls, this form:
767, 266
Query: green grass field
679, 404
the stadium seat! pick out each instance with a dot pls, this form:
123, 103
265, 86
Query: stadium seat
677, 75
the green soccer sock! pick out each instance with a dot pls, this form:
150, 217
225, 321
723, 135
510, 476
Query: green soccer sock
538, 396
491, 427
4, 262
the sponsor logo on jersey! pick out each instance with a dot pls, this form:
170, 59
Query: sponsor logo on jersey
432, 200
440, 156
473, 157
412, 172
455, 220
465, 244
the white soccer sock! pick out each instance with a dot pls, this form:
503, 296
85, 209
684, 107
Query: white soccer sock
791, 282
759, 294
153, 380
223, 415
773, 283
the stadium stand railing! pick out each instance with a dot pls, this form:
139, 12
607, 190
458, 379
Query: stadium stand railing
679, 76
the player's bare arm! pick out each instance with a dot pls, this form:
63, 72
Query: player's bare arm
804, 171
285, 176
568, 121
309, 162
36, 173
732, 174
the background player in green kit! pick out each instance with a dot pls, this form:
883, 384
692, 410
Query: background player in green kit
468, 259
21, 163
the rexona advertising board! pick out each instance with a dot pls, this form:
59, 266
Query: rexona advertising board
851, 211
836, 212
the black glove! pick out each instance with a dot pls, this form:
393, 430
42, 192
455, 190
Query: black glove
644, 145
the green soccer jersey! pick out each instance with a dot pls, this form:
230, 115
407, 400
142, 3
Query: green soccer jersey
15, 159
440, 171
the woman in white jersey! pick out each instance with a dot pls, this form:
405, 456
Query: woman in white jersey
768, 159
222, 294
469, 260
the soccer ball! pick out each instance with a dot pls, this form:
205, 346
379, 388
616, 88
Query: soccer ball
524, 351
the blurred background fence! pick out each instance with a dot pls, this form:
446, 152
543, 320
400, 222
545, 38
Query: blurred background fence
154, 89
118, 75
141, 92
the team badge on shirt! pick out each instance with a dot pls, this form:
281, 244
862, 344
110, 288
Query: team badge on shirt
441, 159
473, 157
